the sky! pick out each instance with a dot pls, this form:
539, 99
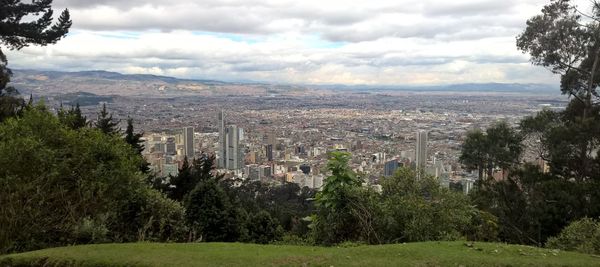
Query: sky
374, 42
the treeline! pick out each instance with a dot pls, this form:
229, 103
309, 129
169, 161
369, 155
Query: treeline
64, 181
534, 201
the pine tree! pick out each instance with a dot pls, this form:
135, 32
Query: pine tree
183, 182
132, 138
18, 30
72, 118
136, 142
106, 123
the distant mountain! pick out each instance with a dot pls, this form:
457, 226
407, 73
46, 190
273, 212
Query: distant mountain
465, 87
105, 83
100, 83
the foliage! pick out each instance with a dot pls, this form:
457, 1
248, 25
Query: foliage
210, 214
17, 33
565, 41
132, 138
22, 24
533, 204
336, 221
190, 175
287, 203
261, 228
341, 180
581, 236
135, 141
52, 178
105, 122
72, 118
499, 147
420, 210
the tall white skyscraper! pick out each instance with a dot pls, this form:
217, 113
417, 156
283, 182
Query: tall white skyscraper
222, 162
421, 150
229, 145
188, 142
233, 148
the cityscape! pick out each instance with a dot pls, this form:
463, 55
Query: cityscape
286, 135
300, 133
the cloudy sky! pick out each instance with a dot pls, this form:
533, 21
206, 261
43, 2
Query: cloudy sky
308, 41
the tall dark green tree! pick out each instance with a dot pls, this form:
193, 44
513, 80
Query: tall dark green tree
132, 138
190, 174
566, 39
135, 141
211, 215
72, 117
17, 30
106, 123
499, 147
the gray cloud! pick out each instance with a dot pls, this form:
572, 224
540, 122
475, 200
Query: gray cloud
386, 42
350, 22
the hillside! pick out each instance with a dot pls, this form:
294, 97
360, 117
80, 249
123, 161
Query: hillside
235, 254
104, 83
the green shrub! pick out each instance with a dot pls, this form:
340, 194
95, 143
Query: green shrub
90, 230
63, 186
581, 236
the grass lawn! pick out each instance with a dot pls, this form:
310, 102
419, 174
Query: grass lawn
235, 254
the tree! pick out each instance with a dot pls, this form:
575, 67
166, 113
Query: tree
190, 175
421, 210
339, 203
500, 146
567, 41
17, 30
72, 118
474, 155
132, 138
58, 184
341, 180
106, 123
210, 214
261, 228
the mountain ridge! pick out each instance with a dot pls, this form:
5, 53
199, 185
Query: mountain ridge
102, 82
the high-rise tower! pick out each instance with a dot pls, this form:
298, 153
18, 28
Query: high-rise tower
232, 143
229, 145
188, 142
421, 150
222, 163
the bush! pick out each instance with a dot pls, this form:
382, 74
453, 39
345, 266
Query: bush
63, 186
581, 236
421, 210
261, 228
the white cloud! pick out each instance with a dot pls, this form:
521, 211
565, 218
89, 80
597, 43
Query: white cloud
372, 42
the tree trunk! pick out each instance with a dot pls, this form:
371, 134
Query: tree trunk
586, 109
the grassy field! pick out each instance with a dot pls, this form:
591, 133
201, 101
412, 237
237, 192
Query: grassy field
234, 254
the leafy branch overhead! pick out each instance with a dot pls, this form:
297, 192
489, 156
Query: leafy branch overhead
567, 41
16, 31
22, 24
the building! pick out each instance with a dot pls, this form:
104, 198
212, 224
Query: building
171, 146
188, 142
421, 150
390, 167
232, 155
222, 162
269, 152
